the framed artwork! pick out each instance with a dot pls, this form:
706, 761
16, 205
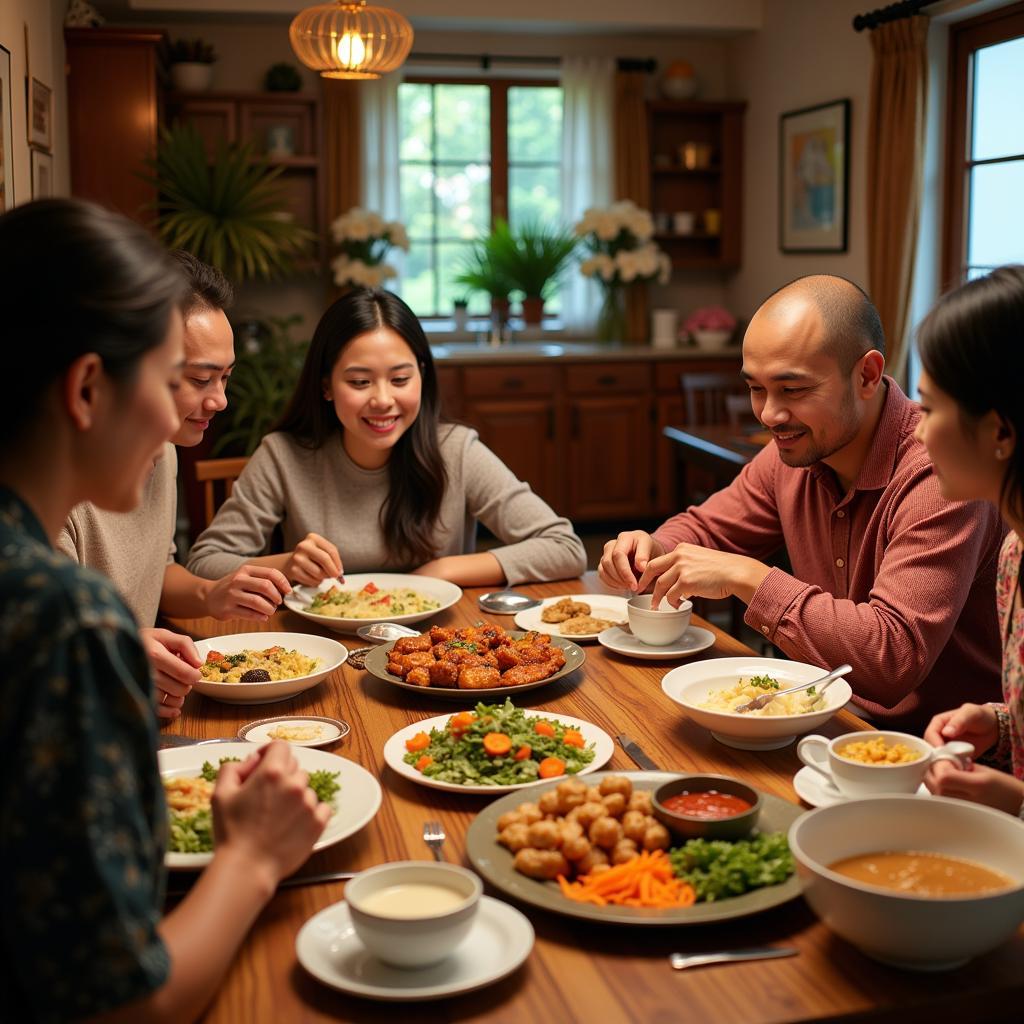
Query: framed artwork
814, 164
6, 133
40, 114
42, 174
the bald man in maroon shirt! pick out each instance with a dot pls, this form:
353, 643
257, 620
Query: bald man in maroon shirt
887, 575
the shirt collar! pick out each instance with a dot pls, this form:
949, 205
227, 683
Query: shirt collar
16, 515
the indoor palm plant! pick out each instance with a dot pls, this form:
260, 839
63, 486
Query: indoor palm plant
535, 258
228, 211
484, 268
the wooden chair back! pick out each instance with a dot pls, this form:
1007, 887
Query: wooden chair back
217, 477
705, 396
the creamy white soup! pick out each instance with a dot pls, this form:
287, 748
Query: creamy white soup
412, 899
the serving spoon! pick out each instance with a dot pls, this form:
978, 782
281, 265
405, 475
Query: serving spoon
765, 698
384, 632
506, 602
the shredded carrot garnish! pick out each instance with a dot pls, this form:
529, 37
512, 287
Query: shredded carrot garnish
645, 881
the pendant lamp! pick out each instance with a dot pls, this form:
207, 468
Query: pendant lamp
350, 39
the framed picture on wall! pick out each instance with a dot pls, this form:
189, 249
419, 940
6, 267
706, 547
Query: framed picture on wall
6, 133
42, 174
40, 114
814, 163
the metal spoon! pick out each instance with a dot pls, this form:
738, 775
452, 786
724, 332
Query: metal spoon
384, 632
765, 698
506, 602
680, 961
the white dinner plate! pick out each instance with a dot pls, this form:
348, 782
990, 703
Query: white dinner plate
355, 803
498, 942
445, 593
331, 730
330, 655
621, 641
816, 791
394, 751
602, 606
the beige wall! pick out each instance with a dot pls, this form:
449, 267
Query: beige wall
806, 54
44, 19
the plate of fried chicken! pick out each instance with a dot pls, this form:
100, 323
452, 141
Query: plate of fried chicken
475, 663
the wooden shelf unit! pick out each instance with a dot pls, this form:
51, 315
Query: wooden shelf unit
719, 185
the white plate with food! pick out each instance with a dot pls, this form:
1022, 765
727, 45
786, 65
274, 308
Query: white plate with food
299, 730
498, 942
372, 597
355, 800
709, 690
579, 745
579, 617
621, 641
260, 668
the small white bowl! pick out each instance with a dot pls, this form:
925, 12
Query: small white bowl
329, 654
657, 627
420, 941
857, 778
915, 932
689, 686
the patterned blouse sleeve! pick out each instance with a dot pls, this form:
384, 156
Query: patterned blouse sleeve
84, 823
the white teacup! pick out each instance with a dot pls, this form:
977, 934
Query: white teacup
657, 627
413, 913
856, 778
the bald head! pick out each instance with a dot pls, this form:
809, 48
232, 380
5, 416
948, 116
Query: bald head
836, 310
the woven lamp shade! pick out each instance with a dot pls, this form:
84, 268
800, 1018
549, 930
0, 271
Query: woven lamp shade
350, 39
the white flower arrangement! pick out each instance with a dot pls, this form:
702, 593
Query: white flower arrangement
364, 238
621, 250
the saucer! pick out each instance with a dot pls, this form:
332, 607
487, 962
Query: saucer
814, 790
327, 731
622, 642
499, 941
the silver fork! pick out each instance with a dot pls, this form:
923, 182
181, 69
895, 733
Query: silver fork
434, 836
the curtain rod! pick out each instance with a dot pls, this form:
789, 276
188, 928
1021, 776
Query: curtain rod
485, 60
894, 12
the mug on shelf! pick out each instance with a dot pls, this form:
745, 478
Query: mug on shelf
684, 222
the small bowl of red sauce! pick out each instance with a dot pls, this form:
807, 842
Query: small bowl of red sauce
707, 807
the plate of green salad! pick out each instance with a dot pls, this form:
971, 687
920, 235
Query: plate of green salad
496, 748
190, 773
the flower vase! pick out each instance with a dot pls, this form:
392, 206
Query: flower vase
611, 318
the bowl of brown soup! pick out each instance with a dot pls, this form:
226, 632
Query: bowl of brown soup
922, 884
707, 807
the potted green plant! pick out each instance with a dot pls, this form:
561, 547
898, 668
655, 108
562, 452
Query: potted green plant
229, 212
191, 63
535, 261
484, 269
282, 77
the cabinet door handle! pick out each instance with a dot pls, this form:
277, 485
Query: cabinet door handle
512, 383
607, 380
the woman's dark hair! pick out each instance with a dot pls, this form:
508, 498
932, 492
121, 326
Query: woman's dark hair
972, 346
416, 472
74, 279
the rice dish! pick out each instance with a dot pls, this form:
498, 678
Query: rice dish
371, 603
271, 665
725, 701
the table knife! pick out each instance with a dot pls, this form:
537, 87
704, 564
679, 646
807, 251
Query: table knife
639, 757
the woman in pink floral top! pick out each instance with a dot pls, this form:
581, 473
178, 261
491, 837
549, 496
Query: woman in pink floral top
972, 351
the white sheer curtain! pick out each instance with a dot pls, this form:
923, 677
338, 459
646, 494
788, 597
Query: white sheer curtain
588, 86
381, 188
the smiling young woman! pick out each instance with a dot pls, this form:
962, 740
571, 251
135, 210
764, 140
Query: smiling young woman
361, 474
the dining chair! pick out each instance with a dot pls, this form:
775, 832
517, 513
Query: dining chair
218, 477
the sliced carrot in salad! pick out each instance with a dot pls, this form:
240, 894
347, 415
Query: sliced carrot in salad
497, 744
418, 742
551, 768
543, 728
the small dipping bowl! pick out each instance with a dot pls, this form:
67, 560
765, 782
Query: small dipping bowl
688, 826
661, 627
412, 940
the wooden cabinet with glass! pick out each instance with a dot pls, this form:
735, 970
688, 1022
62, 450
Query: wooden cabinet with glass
697, 181
284, 129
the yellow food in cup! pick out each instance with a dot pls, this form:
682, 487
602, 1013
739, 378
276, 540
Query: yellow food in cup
877, 751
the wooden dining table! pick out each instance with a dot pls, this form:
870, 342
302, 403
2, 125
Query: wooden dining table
578, 971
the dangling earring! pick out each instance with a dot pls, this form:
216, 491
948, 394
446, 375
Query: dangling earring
1000, 454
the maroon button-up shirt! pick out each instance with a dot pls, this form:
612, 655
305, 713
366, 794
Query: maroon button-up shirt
889, 577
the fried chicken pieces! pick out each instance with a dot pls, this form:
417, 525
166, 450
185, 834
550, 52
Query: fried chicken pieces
476, 658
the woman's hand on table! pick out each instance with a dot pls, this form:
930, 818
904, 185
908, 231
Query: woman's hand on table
175, 663
264, 810
250, 592
314, 559
625, 559
976, 724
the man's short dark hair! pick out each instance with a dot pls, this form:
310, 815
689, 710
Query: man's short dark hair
209, 288
852, 324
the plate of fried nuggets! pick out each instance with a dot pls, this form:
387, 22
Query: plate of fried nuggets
475, 662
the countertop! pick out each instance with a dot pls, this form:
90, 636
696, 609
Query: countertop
473, 353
